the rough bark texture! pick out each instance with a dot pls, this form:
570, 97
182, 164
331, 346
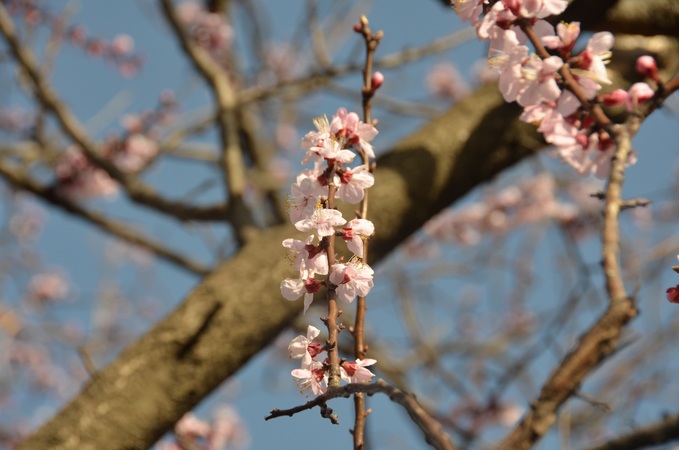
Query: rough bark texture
237, 310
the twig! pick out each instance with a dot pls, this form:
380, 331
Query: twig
371, 42
433, 431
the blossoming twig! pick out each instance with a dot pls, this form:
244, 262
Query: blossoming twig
370, 84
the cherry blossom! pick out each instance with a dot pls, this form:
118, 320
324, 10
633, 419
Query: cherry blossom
306, 195
358, 134
312, 378
352, 279
306, 284
637, 94
595, 57
304, 252
356, 372
322, 220
353, 183
355, 232
305, 348
332, 150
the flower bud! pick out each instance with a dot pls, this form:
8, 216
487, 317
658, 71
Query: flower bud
647, 67
615, 98
376, 80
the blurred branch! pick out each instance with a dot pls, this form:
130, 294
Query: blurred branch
226, 99
108, 225
662, 432
135, 188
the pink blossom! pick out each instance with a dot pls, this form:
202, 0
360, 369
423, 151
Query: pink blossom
135, 152
78, 178
596, 55
469, 10
306, 284
313, 140
355, 232
191, 427
48, 286
565, 38
637, 94
312, 378
376, 81
356, 372
358, 134
647, 67
351, 279
122, 45
541, 83
323, 221
306, 195
615, 98
332, 150
305, 348
228, 430
306, 253
353, 183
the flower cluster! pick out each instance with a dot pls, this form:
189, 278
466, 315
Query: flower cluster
313, 373
328, 149
537, 84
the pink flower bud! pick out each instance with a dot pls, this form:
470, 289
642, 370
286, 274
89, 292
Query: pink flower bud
376, 80
673, 294
647, 67
615, 98
637, 94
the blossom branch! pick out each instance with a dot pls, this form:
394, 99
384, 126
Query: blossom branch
432, 430
368, 91
568, 80
135, 188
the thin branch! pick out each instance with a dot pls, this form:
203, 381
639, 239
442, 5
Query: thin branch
433, 431
117, 229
